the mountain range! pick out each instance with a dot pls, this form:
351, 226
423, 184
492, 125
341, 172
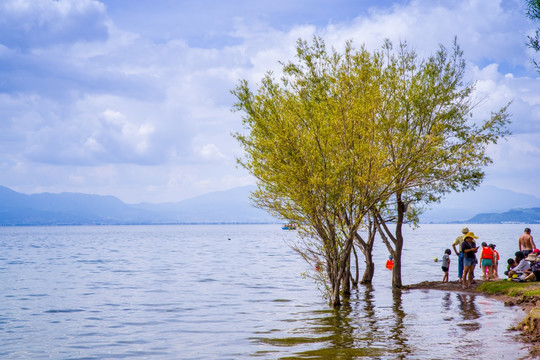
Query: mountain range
230, 206
474, 207
487, 204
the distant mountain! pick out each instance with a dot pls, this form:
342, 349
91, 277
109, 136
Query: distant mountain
76, 209
526, 216
67, 209
460, 207
487, 204
230, 206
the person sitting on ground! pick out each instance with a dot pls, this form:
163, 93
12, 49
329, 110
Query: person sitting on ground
522, 265
511, 264
534, 273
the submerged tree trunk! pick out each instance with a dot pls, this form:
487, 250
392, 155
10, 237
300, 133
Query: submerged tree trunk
366, 246
339, 272
395, 237
346, 281
369, 270
398, 244
357, 270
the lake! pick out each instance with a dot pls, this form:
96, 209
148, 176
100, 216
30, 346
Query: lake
234, 292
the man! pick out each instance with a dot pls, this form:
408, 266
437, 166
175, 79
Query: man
459, 240
526, 242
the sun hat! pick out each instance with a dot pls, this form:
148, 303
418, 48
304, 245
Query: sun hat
465, 230
531, 257
470, 234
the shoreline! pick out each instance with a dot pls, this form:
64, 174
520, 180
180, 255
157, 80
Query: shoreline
528, 329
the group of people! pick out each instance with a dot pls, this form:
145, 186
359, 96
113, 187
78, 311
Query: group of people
466, 249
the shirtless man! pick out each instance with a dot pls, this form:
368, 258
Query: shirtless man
526, 242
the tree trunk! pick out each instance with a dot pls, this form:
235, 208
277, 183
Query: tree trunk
369, 270
346, 281
398, 244
355, 279
335, 301
367, 250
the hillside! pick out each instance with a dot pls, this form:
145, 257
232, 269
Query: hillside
460, 207
526, 216
76, 209
486, 205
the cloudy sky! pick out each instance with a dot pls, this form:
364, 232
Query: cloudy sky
131, 98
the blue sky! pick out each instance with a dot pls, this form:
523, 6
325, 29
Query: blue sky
131, 98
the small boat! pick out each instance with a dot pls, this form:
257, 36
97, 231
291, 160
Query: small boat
289, 227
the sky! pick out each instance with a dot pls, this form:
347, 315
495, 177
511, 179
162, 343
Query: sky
131, 98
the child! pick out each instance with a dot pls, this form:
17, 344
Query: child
486, 261
446, 264
511, 264
390, 263
496, 258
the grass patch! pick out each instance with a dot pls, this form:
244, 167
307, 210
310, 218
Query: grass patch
510, 288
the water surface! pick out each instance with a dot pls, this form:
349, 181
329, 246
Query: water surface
231, 292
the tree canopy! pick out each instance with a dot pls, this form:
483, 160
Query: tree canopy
340, 137
533, 13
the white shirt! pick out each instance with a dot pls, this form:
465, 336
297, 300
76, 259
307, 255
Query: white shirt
522, 266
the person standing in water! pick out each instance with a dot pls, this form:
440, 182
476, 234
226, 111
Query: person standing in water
496, 258
446, 264
486, 261
459, 252
526, 242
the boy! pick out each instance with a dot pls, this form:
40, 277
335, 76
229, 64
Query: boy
446, 264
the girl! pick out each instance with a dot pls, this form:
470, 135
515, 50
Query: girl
486, 261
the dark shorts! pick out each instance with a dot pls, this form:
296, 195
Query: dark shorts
537, 275
526, 252
444, 268
469, 261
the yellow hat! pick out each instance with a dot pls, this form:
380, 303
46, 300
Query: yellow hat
470, 234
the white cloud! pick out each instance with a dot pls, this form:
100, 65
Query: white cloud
90, 104
210, 152
41, 23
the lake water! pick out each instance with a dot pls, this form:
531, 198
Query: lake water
233, 292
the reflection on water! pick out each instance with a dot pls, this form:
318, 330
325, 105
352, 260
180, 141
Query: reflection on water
469, 312
432, 325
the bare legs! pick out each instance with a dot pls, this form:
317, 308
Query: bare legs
468, 276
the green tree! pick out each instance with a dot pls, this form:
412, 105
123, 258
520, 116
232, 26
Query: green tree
433, 144
533, 13
313, 145
345, 142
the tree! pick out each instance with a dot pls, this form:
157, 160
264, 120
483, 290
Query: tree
345, 142
432, 143
313, 145
533, 13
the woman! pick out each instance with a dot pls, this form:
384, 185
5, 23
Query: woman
469, 249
